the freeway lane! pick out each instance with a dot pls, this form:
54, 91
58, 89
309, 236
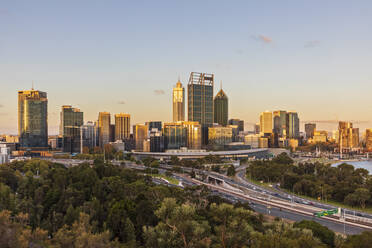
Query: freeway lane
259, 206
336, 227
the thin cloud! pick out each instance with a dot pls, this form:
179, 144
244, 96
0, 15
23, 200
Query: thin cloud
312, 44
1, 106
159, 92
262, 38
121, 102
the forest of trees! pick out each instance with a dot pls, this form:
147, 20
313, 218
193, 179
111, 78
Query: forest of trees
343, 183
44, 204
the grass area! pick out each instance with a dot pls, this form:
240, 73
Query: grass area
330, 202
169, 179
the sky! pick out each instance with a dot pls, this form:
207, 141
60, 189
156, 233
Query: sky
313, 57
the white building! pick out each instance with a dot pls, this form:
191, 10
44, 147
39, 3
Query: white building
4, 154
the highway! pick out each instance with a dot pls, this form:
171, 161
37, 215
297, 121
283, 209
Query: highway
262, 200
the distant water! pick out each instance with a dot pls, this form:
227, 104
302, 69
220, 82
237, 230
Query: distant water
358, 164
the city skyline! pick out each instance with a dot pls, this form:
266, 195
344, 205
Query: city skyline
307, 57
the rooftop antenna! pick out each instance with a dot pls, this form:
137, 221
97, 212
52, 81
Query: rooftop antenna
179, 78
221, 85
32, 85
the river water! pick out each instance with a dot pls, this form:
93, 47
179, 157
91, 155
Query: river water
367, 164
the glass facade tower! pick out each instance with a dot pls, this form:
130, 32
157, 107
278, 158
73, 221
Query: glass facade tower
33, 119
200, 101
71, 121
178, 102
221, 108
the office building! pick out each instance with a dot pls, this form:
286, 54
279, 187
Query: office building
293, 125
33, 119
140, 135
266, 122
157, 142
369, 139
122, 126
71, 120
4, 154
319, 136
194, 134
239, 123
154, 125
221, 108
200, 101
90, 135
219, 136
280, 123
309, 130
256, 128
175, 135
348, 136
178, 102
104, 127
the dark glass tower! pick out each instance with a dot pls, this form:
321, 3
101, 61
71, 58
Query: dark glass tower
33, 119
221, 111
71, 122
200, 101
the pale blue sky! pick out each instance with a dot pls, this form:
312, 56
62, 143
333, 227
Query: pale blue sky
310, 56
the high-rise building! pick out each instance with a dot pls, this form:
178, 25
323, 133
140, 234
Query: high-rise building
221, 108
140, 135
175, 135
309, 130
154, 125
293, 125
71, 120
90, 135
157, 143
122, 126
369, 139
266, 122
256, 128
200, 101
348, 136
104, 125
280, 123
178, 102
237, 122
33, 119
219, 136
193, 134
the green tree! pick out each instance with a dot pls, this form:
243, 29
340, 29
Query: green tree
231, 171
323, 233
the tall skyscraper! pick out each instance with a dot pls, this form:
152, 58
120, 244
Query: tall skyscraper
280, 123
369, 139
309, 130
122, 126
90, 135
221, 108
348, 136
71, 120
178, 102
104, 125
200, 101
293, 125
33, 119
266, 122
140, 135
